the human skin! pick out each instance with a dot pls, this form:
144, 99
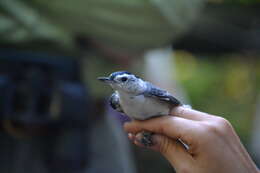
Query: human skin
213, 145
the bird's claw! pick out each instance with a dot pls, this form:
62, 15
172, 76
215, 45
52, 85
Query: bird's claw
146, 139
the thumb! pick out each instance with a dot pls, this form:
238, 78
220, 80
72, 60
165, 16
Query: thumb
172, 150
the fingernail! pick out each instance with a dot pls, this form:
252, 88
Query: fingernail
131, 136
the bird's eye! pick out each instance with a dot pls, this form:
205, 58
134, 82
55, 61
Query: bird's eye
123, 79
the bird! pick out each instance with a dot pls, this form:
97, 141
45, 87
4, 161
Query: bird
139, 99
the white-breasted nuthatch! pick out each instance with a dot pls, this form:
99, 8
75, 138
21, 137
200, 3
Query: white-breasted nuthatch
139, 99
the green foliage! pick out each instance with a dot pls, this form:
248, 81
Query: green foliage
225, 86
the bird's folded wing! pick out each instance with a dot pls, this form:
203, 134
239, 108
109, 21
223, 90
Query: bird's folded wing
153, 91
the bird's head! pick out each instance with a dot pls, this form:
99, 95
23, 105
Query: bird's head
124, 81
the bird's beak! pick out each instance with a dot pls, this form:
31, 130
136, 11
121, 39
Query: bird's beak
105, 79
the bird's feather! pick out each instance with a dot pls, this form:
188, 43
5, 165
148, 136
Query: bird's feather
153, 91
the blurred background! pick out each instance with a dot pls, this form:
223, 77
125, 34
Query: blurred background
55, 114
217, 64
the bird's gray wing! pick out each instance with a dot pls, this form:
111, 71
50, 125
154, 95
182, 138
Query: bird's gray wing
114, 102
153, 91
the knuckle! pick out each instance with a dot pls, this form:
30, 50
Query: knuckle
223, 124
210, 128
184, 169
218, 126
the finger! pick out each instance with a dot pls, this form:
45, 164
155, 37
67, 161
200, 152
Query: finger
171, 149
188, 113
174, 127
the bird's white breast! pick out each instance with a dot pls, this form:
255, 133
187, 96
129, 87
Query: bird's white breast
141, 107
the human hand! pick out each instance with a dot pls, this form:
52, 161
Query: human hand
213, 145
